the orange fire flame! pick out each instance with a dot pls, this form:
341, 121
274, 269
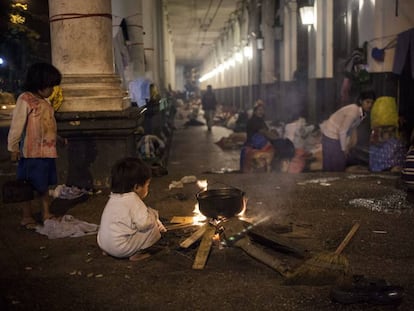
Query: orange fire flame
198, 218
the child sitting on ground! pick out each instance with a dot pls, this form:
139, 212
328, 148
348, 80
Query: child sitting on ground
128, 226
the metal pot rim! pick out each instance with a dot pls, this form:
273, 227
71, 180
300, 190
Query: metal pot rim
220, 191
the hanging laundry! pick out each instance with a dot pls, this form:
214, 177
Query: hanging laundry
404, 49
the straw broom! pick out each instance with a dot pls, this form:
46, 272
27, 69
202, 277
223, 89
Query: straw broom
325, 268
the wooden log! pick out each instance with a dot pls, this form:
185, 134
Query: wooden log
259, 254
182, 219
178, 226
277, 242
204, 248
194, 237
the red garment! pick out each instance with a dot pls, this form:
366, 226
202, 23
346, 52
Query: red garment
297, 163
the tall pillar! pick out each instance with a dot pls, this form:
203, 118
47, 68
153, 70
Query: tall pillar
82, 50
151, 22
289, 55
131, 12
268, 74
136, 44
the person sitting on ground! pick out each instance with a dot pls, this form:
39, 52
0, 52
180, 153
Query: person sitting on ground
258, 148
33, 135
128, 227
256, 124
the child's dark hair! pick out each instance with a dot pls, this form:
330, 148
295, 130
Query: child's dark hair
368, 94
128, 172
40, 76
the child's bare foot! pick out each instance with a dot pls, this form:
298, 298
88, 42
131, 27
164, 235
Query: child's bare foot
27, 220
28, 223
139, 256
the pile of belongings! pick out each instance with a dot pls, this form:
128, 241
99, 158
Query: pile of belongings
387, 151
308, 149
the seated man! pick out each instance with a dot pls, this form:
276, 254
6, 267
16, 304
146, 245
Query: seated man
258, 151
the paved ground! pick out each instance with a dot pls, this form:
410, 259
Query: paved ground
38, 273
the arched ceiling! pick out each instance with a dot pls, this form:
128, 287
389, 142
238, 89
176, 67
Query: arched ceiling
195, 25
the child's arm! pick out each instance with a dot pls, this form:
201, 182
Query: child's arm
145, 218
161, 226
17, 125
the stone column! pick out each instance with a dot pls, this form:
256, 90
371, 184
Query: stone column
131, 11
136, 44
268, 74
151, 22
289, 54
81, 40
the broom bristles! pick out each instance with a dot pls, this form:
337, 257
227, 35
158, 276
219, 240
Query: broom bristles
323, 269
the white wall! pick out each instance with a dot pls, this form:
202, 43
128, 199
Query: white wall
379, 25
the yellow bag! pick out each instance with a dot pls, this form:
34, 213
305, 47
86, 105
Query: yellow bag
384, 112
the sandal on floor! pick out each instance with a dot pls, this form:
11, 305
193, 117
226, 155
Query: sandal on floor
139, 256
365, 290
31, 226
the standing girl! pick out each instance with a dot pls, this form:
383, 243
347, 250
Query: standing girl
32, 137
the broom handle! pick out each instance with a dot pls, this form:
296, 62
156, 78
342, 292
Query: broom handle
348, 238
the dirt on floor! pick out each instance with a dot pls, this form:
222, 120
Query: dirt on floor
306, 213
71, 273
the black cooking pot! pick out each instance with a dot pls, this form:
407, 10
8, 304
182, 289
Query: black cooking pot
222, 202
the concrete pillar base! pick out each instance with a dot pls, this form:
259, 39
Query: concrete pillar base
96, 140
88, 92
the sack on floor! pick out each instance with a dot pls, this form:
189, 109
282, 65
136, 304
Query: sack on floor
15, 191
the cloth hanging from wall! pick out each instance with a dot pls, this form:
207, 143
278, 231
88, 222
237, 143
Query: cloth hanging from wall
122, 58
404, 49
139, 90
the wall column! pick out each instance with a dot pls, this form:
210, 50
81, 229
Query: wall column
268, 74
82, 51
136, 44
288, 57
151, 39
131, 11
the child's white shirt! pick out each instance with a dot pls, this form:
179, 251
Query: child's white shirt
127, 225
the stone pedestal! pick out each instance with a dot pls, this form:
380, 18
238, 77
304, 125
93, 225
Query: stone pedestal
96, 140
93, 92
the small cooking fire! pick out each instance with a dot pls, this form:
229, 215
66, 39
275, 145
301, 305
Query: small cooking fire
219, 214
211, 198
198, 218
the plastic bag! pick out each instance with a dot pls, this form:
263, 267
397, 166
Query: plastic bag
384, 112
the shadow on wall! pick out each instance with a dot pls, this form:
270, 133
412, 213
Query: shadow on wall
81, 154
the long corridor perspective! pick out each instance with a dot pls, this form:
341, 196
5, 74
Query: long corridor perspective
194, 150
305, 214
